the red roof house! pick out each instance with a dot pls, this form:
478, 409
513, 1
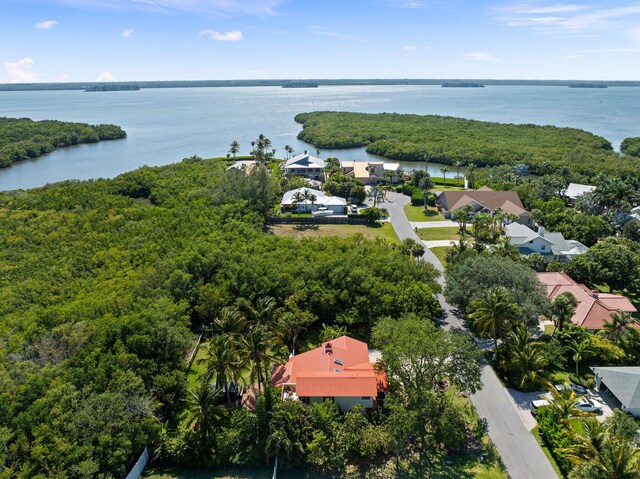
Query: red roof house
594, 308
339, 370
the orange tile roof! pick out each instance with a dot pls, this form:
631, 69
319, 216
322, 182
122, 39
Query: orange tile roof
508, 201
338, 368
593, 309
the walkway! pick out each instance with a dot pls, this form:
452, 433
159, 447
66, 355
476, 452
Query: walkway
432, 224
437, 243
520, 453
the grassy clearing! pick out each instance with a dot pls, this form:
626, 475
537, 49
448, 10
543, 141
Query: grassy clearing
418, 213
547, 452
549, 329
440, 253
384, 231
440, 233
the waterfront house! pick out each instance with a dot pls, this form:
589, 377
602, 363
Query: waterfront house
594, 308
484, 200
300, 201
339, 370
552, 246
244, 165
371, 172
306, 166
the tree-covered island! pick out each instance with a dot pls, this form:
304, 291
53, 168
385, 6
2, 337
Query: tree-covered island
23, 139
447, 140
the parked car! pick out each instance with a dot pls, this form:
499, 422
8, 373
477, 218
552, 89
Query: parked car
322, 212
537, 404
354, 209
588, 405
579, 390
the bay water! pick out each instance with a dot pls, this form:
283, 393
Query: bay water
166, 125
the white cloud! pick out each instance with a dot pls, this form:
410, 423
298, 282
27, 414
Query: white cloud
326, 32
411, 4
232, 36
46, 25
634, 33
21, 71
566, 18
610, 50
409, 48
481, 57
126, 33
106, 76
210, 7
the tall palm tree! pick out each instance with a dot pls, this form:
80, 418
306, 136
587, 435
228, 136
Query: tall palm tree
620, 323
297, 198
288, 150
444, 171
204, 412
506, 249
458, 164
234, 148
471, 174
562, 309
526, 356
224, 361
494, 313
229, 322
311, 197
578, 348
425, 184
564, 402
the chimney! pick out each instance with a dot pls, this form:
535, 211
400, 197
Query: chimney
541, 231
306, 152
328, 349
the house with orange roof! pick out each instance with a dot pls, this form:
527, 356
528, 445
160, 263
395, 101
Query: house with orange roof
339, 370
594, 308
483, 200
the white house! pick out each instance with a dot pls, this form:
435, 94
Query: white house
574, 190
635, 213
624, 384
306, 166
552, 246
246, 165
302, 203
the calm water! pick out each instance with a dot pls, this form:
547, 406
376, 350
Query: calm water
166, 125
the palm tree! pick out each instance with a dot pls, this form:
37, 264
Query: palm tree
494, 312
297, 198
578, 348
530, 362
425, 184
506, 249
471, 174
311, 197
223, 359
234, 148
289, 150
204, 412
562, 309
564, 402
620, 323
229, 322
444, 171
458, 164
598, 453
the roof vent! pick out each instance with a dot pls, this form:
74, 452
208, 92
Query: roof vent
338, 361
337, 370
306, 152
328, 349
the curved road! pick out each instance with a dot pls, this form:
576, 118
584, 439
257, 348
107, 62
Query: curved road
520, 452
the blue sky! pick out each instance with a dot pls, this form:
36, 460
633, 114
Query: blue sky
123, 40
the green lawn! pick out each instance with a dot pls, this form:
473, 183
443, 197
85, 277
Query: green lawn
418, 213
383, 230
440, 253
451, 184
440, 233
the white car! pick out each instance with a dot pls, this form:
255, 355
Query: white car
588, 405
322, 212
579, 390
537, 404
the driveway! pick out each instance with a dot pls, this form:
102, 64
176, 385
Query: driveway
433, 224
518, 449
437, 243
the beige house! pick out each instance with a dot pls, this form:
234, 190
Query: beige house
369, 172
484, 200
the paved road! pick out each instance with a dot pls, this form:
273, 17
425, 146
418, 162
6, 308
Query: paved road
520, 453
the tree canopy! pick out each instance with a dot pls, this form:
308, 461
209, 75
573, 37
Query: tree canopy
22, 138
447, 140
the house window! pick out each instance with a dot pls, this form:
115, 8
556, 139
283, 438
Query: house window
543, 247
365, 398
531, 241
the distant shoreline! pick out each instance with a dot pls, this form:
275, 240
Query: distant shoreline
280, 83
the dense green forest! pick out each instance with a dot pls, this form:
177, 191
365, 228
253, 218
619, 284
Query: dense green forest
631, 146
450, 140
106, 283
22, 138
